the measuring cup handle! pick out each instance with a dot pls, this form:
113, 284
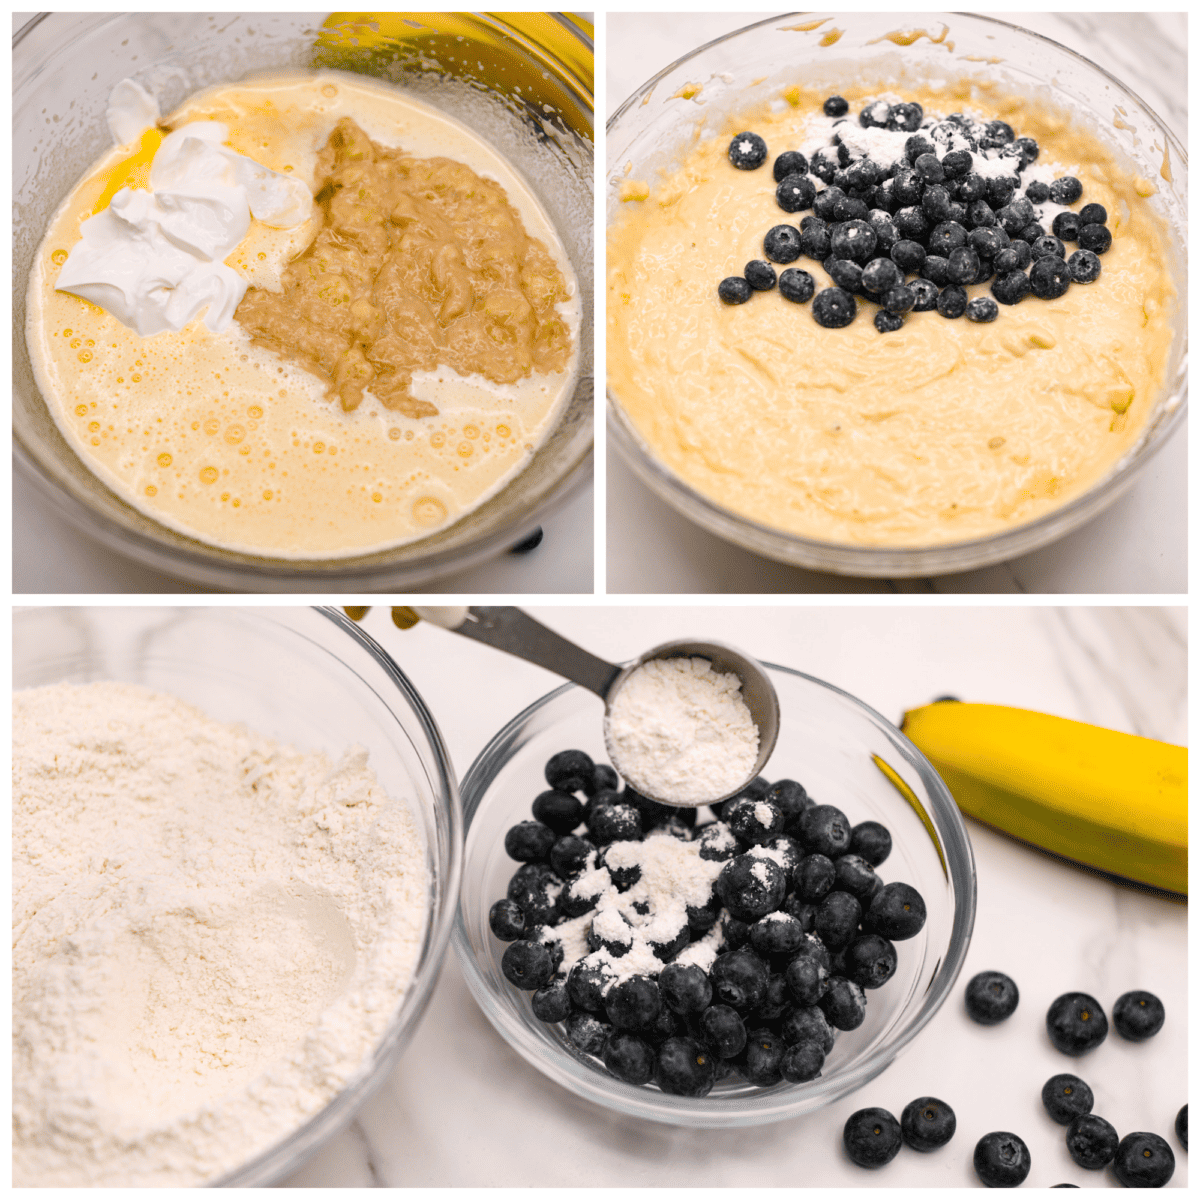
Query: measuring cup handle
507, 628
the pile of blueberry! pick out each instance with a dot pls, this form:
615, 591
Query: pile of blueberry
801, 924
1076, 1025
910, 235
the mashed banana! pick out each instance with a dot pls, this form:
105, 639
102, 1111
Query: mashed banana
942, 431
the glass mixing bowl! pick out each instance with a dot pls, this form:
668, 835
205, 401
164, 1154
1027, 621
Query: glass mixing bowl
533, 74
657, 124
845, 754
313, 679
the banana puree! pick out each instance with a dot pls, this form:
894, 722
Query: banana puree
258, 439
942, 431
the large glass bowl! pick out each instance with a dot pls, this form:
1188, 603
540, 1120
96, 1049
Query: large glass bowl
656, 125
532, 72
307, 677
845, 754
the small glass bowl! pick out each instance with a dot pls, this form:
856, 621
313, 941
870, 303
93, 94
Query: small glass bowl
657, 124
307, 677
532, 72
838, 748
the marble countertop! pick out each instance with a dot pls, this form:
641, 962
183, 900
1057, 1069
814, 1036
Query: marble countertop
462, 1109
1139, 545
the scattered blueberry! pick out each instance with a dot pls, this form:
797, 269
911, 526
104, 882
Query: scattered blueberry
899, 300
734, 290
835, 106
760, 275
781, 244
844, 272
1091, 1141
888, 322
881, 275
1076, 1023
1138, 1016
790, 162
1084, 266
1144, 1160
982, 309
1066, 190
1001, 1160
1037, 192
991, 997
1066, 1097
952, 303
834, 308
927, 1124
1181, 1126
872, 1137
1048, 246
747, 151
926, 294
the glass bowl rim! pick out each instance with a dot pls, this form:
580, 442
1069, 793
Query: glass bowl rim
676, 1110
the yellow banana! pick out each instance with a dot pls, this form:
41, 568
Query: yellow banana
1105, 799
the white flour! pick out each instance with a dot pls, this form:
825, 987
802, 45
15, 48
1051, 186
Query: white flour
210, 933
680, 731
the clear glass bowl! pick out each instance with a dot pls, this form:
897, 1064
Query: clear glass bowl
313, 679
834, 745
654, 127
533, 72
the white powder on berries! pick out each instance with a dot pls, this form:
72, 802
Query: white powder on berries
678, 730
211, 931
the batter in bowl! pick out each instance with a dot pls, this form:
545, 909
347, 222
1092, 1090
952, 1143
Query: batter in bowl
292, 432
941, 431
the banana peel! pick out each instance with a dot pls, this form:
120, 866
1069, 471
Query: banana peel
1108, 800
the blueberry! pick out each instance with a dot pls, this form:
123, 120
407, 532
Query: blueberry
972, 188
775, 1002
911, 223
750, 886
585, 985
1076, 1023
1000, 190
1091, 1141
1029, 150
814, 876
815, 238
754, 821
776, 933
905, 117
881, 275
1002, 1160
952, 303
569, 855
927, 1124
561, 811
747, 151
530, 841
885, 196
1066, 226
945, 237
991, 997
935, 203
1143, 1160
854, 240
717, 843
802, 910
844, 272
685, 988
1033, 232
552, 1003
722, 1030
1011, 219
908, 255
870, 960
739, 978
837, 920
830, 204
586, 1032
1012, 287
634, 1003
701, 918
1066, 1097
936, 268
899, 300
666, 1025
807, 980
834, 308
628, 1057
614, 823
824, 163
604, 779
535, 888
1023, 255
871, 1137
812, 947
982, 309
962, 265
824, 829
1095, 238
796, 285
1093, 214
926, 294
760, 275
957, 164
844, 1005
1138, 1016
801, 1062
506, 920
527, 965
790, 162
1049, 278
795, 193
929, 167
684, 1068
907, 187
1181, 1126
1084, 266
1066, 190
807, 1023
1048, 247
897, 912
888, 322
996, 134
668, 940
760, 1061
871, 842
835, 106
856, 876
734, 290
1037, 192
782, 244
875, 115
735, 933
789, 797
570, 770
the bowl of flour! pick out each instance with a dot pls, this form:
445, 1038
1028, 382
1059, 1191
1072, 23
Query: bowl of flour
845, 754
236, 850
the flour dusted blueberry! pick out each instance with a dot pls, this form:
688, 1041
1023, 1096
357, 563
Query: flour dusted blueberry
633, 1003
905, 117
614, 822
899, 300
527, 965
834, 308
926, 294
776, 934
750, 887
1138, 1016
804, 912
529, 841
535, 887
907, 187
911, 223
854, 240
1066, 190
815, 238
1076, 1023
722, 1030
1144, 1160
957, 164
807, 980
830, 203
560, 811
587, 1032
844, 272
962, 265
886, 233
896, 913
871, 1137
717, 842
760, 1061
880, 275
801, 1062
1011, 288
837, 919
1066, 1097
1032, 233
569, 856
747, 151
1049, 278
1095, 238
824, 164
586, 982
908, 255
506, 920
946, 237
936, 268
739, 978
753, 821
927, 1124
1048, 246
1084, 266
971, 189
935, 203
982, 309
796, 285
629, 1057
1066, 226
1091, 1141
812, 947
734, 290
1002, 1160
875, 115
759, 275
952, 303
795, 193
782, 244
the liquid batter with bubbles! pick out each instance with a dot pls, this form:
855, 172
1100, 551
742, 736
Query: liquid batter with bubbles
234, 444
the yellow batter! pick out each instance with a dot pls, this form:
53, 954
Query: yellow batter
943, 431
233, 444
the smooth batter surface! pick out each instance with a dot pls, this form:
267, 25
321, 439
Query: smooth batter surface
943, 431
239, 446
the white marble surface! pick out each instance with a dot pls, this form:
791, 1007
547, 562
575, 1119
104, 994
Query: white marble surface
1139, 545
464, 1110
